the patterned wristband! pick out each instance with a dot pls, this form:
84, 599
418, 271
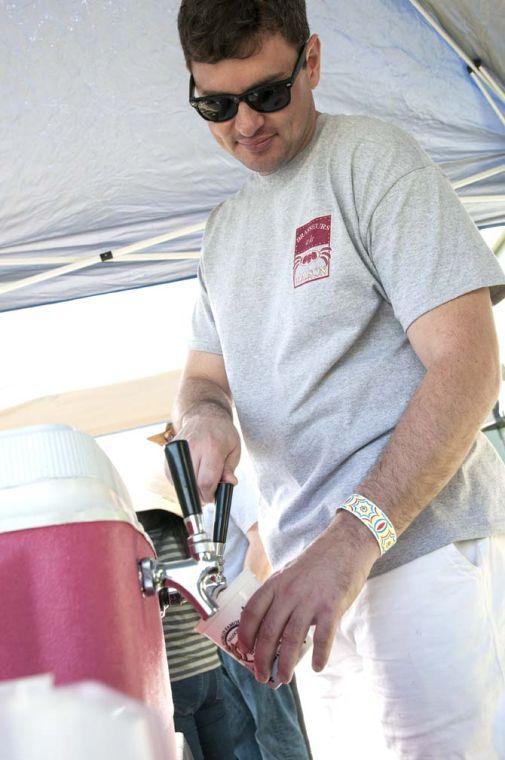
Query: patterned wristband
374, 519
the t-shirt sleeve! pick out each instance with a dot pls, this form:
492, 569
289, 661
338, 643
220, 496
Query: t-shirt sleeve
204, 336
425, 248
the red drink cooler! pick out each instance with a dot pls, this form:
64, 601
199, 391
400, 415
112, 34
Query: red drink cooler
69, 547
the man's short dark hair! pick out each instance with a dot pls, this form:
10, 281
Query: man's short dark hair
211, 30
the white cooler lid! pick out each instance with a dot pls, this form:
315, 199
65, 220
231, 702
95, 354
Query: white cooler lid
53, 474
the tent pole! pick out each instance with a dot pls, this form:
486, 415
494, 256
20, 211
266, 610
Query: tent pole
10, 260
494, 84
97, 258
482, 198
474, 178
488, 97
499, 245
479, 71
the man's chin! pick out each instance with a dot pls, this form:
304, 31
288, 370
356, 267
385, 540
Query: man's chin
265, 163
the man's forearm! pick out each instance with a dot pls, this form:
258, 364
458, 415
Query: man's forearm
431, 440
196, 395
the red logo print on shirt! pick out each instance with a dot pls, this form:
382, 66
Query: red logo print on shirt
312, 251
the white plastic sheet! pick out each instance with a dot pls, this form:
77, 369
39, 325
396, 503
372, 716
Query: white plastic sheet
80, 721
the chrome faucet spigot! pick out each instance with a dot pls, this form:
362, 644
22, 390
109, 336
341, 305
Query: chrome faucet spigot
200, 578
198, 581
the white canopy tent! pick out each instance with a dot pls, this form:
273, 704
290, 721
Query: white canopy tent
101, 152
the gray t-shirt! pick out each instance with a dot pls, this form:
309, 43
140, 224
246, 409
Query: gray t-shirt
310, 278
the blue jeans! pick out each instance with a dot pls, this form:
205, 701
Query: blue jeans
264, 723
200, 714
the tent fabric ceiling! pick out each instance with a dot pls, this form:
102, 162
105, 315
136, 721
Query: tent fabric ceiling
477, 27
99, 147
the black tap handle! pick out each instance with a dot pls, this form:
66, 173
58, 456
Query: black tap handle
224, 493
183, 477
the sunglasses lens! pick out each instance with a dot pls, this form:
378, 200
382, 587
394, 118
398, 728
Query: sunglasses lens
265, 99
217, 109
268, 99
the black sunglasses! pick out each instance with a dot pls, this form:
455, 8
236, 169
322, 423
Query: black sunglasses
266, 98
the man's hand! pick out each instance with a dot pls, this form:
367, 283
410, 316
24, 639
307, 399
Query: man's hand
214, 444
203, 416
315, 589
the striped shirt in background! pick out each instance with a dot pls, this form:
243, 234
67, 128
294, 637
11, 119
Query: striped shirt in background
188, 653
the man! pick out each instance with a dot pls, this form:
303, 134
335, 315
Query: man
345, 308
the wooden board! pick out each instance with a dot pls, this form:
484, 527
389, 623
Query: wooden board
98, 411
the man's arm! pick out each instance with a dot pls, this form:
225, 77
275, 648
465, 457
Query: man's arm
256, 559
457, 344
203, 416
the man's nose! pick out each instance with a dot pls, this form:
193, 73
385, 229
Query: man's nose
248, 121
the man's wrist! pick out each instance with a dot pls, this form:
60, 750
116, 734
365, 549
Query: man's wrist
372, 518
356, 534
206, 408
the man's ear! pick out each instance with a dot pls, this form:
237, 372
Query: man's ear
313, 65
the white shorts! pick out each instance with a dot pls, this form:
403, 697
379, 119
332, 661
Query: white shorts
417, 670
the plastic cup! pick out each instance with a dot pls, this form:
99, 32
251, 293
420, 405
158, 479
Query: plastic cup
222, 627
